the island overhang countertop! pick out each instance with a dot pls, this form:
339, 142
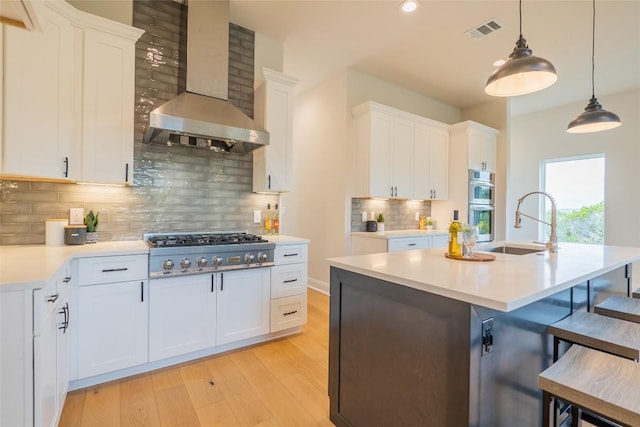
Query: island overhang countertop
506, 284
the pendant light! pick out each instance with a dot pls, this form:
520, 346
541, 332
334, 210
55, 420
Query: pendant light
523, 73
594, 118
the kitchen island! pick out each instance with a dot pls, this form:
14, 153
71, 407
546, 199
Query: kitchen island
420, 339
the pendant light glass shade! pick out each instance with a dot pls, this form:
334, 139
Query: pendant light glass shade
594, 118
523, 73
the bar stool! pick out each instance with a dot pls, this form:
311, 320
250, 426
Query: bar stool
607, 334
620, 307
591, 380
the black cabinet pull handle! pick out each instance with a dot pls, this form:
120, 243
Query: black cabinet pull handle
269, 182
52, 298
126, 172
141, 291
222, 281
66, 323
67, 279
290, 313
290, 255
290, 281
66, 167
212, 290
111, 270
411, 244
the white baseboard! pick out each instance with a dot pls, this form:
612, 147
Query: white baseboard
318, 285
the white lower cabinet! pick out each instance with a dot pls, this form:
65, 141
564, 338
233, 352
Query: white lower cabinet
182, 315
112, 326
289, 287
243, 304
369, 243
45, 365
288, 312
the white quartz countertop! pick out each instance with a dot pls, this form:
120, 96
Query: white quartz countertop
395, 234
30, 266
508, 283
286, 240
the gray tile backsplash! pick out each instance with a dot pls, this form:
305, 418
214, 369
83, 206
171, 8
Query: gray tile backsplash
174, 188
398, 214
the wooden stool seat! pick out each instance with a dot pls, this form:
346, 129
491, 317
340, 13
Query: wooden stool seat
601, 383
620, 307
603, 333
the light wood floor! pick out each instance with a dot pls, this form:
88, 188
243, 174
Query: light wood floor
281, 383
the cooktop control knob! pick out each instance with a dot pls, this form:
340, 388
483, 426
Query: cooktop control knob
167, 264
185, 263
202, 262
248, 258
262, 257
216, 261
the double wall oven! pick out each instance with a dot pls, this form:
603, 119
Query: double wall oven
482, 203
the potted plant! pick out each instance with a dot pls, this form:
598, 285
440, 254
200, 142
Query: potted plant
380, 223
91, 221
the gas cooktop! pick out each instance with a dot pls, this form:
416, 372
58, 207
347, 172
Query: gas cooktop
200, 239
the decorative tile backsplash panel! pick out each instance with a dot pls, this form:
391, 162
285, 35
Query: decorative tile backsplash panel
398, 214
174, 188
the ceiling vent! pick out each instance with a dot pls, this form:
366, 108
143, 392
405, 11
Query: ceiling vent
484, 29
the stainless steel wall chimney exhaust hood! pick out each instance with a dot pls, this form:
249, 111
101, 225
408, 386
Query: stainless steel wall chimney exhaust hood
202, 116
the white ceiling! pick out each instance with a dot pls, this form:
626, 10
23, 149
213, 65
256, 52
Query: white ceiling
429, 52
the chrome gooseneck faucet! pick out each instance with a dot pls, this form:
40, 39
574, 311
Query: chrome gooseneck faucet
552, 244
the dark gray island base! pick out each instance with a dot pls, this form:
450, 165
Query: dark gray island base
399, 356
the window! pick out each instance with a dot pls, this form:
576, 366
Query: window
577, 185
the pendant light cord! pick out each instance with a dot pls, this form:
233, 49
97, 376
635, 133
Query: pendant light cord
520, 12
593, 51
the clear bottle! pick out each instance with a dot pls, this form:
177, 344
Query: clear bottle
267, 221
455, 231
276, 221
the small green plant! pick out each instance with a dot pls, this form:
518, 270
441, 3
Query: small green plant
380, 218
91, 221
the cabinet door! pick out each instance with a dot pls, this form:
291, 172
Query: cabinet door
112, 327
243, 304
380, 154
272, 165
182, 315
39, 99
401, 150
62, 349
439, 164
108, 102
44, 374
482, 150
408, 243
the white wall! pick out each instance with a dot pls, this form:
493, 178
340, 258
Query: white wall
116, 10
316, 207
363, 87
539, 136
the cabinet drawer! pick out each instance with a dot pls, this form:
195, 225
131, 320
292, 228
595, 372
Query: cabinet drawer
288, 280
289, 254
441, 241
407, 243
288, 312
110, 269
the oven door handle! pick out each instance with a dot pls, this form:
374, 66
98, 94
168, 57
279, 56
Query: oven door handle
482, 208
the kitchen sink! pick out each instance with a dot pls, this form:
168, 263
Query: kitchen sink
512, 250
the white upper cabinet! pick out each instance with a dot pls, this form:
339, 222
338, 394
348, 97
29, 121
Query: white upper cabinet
479, 142
431, 161
273, 108
108, 105
39, 99
398, 154
69, 97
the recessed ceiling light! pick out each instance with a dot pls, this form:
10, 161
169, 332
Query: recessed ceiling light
499, 62
409, 5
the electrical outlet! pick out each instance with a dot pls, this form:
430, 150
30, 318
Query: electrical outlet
417, 216
256, 217
363, 216
76, 216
